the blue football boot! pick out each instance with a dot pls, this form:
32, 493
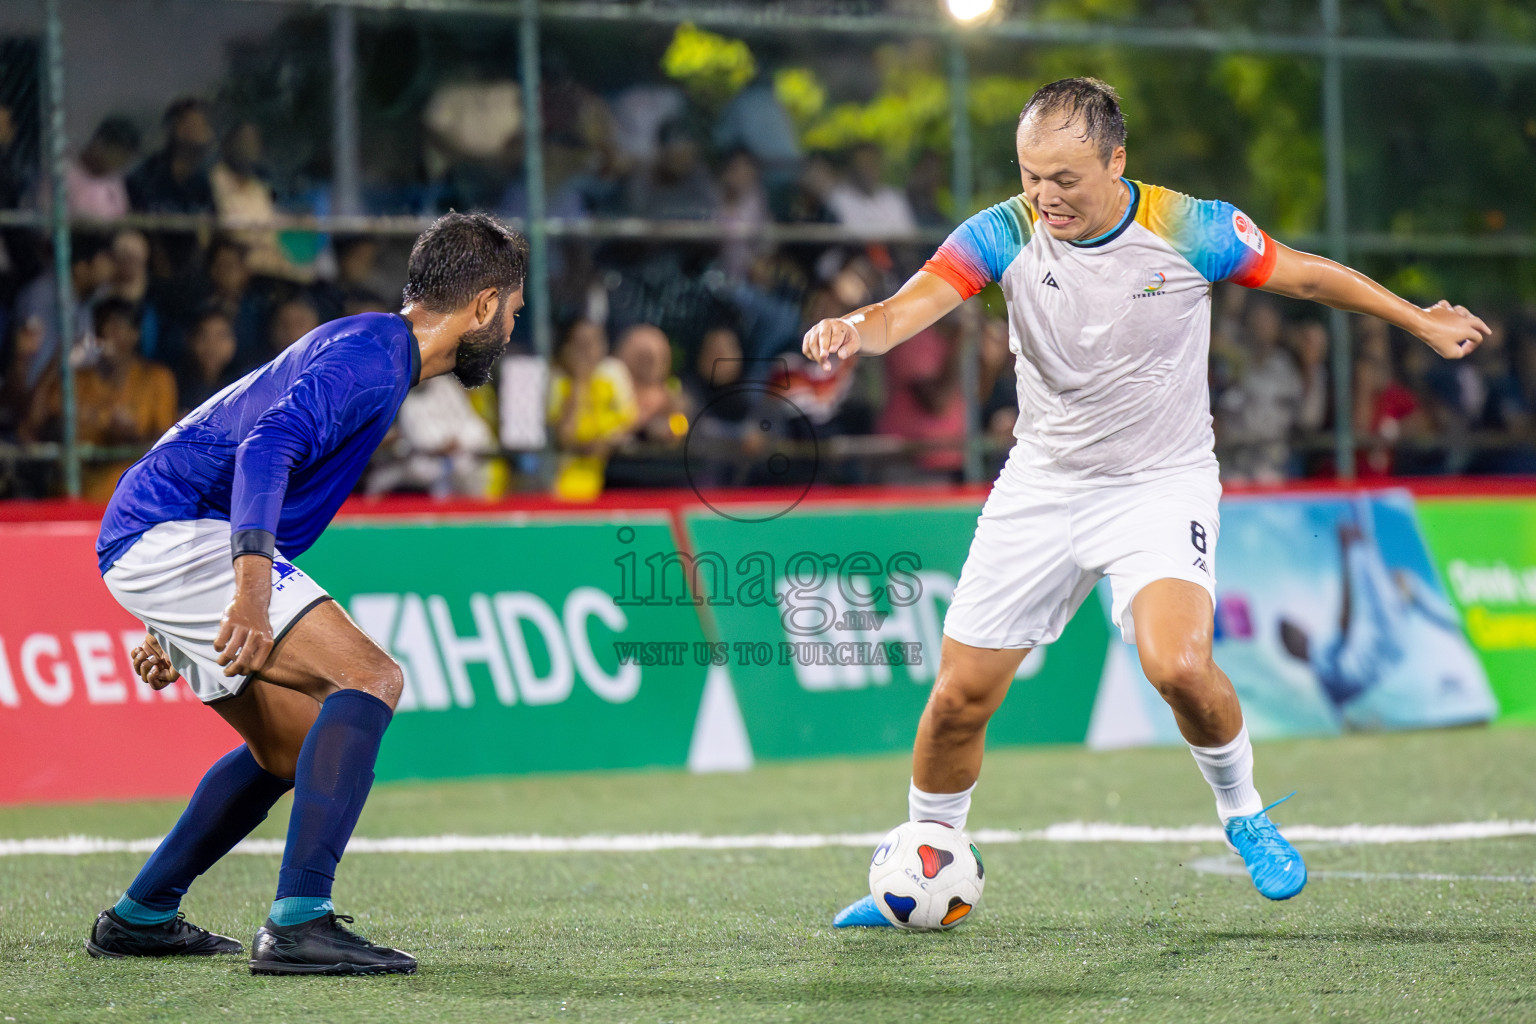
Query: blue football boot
1277, 870
861, 914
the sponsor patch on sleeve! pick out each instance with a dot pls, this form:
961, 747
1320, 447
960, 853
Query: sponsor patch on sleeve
1248, 231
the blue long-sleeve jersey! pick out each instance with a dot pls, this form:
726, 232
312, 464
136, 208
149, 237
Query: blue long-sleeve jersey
277, 452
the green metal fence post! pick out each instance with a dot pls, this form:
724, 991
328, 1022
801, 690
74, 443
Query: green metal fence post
1338, 238
533, 160
53, 44
536, 289
346, 158
962, 177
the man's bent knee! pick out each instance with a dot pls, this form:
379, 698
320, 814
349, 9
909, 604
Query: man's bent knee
381, 677
953, 709
1181, 676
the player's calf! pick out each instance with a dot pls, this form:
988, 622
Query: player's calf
946, 759
951, 734
1202, 698
233, 797
954, 717
357, 686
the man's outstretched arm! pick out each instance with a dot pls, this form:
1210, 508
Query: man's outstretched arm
881, 326
1452, 331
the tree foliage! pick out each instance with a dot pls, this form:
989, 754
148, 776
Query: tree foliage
1430, 149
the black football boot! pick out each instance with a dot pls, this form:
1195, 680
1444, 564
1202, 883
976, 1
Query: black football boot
113, 937
322, 946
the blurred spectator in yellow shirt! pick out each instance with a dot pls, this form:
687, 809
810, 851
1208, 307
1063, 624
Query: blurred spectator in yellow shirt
662, 412
591, 409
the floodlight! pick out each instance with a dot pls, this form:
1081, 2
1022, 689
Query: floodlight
966, 11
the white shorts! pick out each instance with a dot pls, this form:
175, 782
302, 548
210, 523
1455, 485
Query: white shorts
1042, 544
177, 579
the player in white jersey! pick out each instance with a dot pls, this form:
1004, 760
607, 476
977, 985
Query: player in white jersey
1108, 283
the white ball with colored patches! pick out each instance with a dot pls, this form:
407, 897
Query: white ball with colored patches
926, 876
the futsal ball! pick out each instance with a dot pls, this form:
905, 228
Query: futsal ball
925, 876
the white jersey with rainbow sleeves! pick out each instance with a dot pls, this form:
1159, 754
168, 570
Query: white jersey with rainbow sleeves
1111, 336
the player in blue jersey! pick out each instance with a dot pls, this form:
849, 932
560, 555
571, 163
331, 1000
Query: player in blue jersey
197, 542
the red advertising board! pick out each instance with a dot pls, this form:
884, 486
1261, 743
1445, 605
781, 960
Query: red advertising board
75, 725
74, 722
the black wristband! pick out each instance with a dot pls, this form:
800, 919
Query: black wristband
252, 542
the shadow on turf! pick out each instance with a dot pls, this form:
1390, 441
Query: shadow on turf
745, 989
1379, 936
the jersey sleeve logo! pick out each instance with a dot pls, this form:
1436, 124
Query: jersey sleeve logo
1248, 231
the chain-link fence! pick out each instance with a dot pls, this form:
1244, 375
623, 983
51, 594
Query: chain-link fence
698, 183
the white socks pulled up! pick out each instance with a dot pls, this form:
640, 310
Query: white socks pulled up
950, 808
1229, 770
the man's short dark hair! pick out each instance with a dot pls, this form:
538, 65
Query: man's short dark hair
118, 132
180, 107
1092, 105
458, 256
210, 312
113, 306
85, 246
343, 244
221, 243
566, 329
295, 298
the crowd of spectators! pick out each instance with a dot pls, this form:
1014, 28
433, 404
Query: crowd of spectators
1411, 413
705, 333
160, 320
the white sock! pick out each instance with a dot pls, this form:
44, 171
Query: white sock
950, 808
1229, 770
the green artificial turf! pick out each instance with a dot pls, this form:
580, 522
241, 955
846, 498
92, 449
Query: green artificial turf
1067, 931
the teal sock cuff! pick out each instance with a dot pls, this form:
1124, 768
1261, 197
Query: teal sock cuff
134, 912
291, 910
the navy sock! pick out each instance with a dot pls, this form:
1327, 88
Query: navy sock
233, 798
335, 772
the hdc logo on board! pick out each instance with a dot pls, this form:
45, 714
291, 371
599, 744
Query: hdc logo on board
533, 652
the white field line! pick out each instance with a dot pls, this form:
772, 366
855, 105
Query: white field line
1067, 832
1231, 865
